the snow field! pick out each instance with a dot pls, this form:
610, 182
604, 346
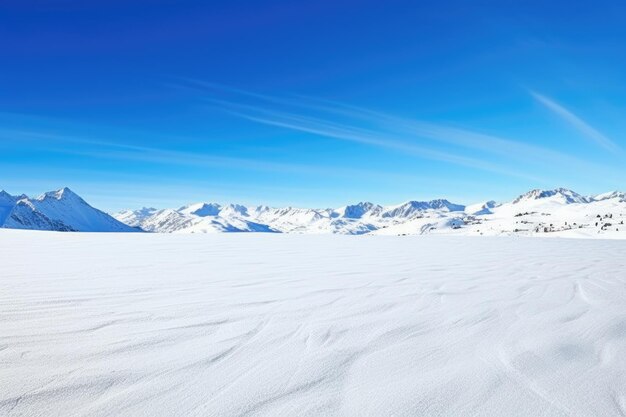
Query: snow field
308, 325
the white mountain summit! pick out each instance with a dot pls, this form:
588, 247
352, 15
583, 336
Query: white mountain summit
60, 210
560, 195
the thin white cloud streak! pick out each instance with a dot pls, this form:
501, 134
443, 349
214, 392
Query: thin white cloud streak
295, 122
462, 137
358, 136
405, 131
346, 132
12, 134
511, 149
120, 151
579, 124
432, 131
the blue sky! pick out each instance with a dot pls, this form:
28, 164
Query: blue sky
161, 103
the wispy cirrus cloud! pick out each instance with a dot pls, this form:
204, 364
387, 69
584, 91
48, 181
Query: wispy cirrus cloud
363, 136
98, 148
439, 142
453, 135
577, 123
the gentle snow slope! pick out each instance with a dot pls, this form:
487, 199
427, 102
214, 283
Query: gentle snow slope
291, 325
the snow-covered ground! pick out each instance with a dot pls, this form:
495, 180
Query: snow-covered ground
310, 325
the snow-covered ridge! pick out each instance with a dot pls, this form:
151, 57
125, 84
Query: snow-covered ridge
561, 194
60, 210
557, 212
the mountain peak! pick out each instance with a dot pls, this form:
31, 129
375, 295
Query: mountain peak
442, 203
610, 195
481, 208
356, 211
144, 211
202, 209
60, 210
566, 195
61, 194
4, 194
234, 209
416, 208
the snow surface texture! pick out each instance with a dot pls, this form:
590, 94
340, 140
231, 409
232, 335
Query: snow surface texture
60, 210
291, 325
558, 212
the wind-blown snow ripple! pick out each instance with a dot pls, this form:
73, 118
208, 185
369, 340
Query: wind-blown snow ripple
293, 325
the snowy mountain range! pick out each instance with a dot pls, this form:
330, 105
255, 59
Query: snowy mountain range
353, 219
558, 212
